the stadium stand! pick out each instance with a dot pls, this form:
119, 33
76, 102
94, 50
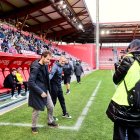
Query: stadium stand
106, 58
2, 89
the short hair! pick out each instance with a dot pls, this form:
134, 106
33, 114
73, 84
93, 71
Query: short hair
46, 53
13, 69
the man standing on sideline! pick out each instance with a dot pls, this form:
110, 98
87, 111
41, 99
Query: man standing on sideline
56, 88
78, 70
39, 87
68, 70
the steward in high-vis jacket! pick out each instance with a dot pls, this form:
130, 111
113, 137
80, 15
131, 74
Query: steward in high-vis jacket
126, 119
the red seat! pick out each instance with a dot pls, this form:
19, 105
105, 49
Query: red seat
2, 89
6, 72
26, 73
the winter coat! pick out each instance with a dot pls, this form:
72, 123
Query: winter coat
67, 69
78, 70
38, 83
119, 110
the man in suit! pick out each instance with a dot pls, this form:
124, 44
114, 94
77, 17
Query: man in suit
39, 88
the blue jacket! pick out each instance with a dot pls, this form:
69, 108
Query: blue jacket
56, 74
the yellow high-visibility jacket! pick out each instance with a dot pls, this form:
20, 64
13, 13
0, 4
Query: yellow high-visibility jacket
19, 77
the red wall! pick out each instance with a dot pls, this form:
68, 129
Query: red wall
84, 52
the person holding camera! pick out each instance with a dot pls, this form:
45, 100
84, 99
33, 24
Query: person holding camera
125, 116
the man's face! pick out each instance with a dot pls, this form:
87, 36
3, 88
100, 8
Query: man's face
46, 60
14, 72
19, 69
62, 61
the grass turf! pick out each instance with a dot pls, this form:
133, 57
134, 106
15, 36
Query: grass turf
96, 125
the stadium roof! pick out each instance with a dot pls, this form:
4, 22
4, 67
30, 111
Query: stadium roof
68, 20
60, 20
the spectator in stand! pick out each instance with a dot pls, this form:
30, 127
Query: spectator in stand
21, 81
18, 48
78, 70
38, 50
12, 50
1, 41
56, 88
12, 82
68, 71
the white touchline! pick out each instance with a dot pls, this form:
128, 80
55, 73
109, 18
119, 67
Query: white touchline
79, 120
85, 110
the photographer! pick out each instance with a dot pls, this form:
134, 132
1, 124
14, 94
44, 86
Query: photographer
125, 117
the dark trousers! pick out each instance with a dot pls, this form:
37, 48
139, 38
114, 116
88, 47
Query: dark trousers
78, 79
14, 86
26, 86
126, 133
56, 92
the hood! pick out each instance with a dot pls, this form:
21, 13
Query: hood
134, 45
136, 55
77, 64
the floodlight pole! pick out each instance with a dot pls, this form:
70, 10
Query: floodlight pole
97, 34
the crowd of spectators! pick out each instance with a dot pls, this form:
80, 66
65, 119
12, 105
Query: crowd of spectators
16, 42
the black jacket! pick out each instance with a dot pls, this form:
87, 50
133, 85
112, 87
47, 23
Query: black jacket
9, 81
124, 66
67, 69
125, 115
56, 74
38, 83
78, 70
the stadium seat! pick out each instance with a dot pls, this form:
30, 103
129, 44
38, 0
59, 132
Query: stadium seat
26, 73
6, 72
2, 89
106, 58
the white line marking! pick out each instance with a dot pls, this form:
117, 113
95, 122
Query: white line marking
85, 110
19, 124
77, 124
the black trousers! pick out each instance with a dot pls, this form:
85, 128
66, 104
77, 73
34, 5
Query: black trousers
26, 86
14, 86
123, 132
78, 79
57, 92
